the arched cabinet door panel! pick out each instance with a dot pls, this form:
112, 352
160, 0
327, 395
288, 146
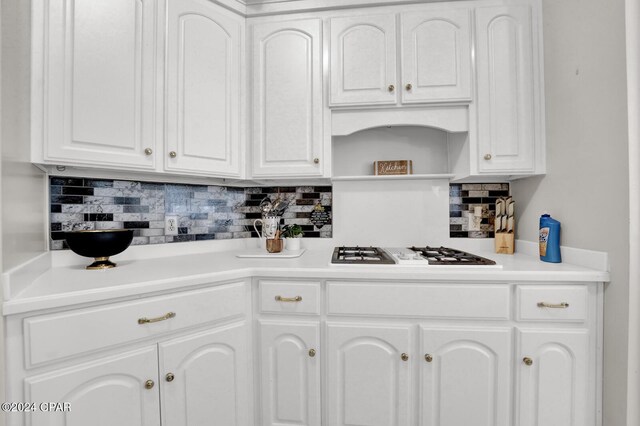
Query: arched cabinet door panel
363, 60
204, 47
290, 373
209, 383
106, 392
287, 99
95, 100
368, 381
553, 388
507, 105
465, 377
436, 56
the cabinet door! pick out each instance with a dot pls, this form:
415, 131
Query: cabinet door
96, 102
506, 130
287, 99
203, 89
106, 392
363, 60
553, 389
210, 383
466, 376
290, 373
436, 56
368, 382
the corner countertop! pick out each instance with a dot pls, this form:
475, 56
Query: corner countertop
47, 282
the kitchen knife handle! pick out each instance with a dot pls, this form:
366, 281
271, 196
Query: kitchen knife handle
289, 299
561, 305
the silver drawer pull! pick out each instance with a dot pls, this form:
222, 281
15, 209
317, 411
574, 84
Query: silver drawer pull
162, 318
289, 299
562, 305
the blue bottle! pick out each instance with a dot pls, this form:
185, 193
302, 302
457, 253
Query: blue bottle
549, 239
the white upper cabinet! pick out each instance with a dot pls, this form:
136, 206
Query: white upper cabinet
433, 51
287, 131
363, 60
204, 48
436, 56
94, 99
509, 120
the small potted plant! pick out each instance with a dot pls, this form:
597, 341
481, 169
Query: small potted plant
293, 234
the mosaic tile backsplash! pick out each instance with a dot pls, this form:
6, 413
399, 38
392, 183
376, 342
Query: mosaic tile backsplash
463, 198
204, 212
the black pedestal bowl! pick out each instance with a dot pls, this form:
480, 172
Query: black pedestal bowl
100, 245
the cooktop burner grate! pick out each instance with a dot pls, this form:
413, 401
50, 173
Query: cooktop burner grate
449, 256
360, 255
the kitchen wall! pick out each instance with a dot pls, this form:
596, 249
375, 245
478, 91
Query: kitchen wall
22, 187
202, 212
587, 160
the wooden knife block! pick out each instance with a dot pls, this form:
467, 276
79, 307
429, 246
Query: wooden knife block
505, 242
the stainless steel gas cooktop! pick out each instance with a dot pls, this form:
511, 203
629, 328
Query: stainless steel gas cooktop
408, 256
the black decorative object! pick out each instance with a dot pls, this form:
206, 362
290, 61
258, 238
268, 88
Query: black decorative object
319, 216
99, 245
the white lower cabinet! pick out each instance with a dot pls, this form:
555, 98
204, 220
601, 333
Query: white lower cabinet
553, 378
290, 373
465, 377
107, 392
368, 374
204, 378
323, 356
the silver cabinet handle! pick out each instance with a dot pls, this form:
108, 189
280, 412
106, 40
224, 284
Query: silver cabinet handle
561, 305
487, 157
165, 317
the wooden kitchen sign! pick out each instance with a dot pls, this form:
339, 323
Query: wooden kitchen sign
393, 167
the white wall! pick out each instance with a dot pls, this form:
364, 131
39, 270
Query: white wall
633, 82
391, 213
22, 186
586, 186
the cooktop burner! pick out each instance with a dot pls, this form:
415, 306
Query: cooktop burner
411, 256
449, 256
361, 255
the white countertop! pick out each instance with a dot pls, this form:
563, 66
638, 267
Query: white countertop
50, 282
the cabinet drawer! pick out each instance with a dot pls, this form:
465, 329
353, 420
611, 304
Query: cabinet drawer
564, 303
60, 335
419, 300
290, 297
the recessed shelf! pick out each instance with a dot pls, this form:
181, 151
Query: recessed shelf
394, 177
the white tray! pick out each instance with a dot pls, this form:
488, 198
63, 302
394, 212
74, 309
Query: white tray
262, 253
